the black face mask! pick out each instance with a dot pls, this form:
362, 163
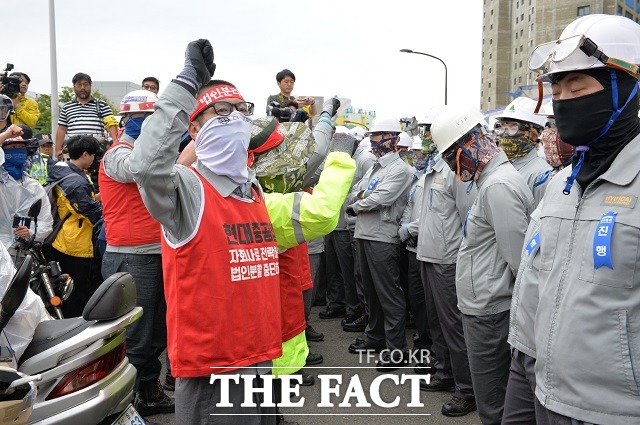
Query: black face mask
580, 120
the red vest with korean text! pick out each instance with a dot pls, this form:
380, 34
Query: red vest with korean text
127, 221
222, 288
292, 273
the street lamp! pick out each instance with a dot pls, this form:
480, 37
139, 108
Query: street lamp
441, 61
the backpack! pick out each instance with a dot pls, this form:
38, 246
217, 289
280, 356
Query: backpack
57, 222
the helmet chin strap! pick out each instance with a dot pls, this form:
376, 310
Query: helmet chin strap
582, 150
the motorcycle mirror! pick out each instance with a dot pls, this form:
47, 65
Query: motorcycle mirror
35, 208
15, 292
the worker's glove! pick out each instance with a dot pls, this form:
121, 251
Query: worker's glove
198, 64
351, 212
331, 106
342, 142
403, 232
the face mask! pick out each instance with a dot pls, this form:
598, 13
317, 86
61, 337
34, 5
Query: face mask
480, 151
384, 146
221, 146
134, 126
14, 162
516, 147
556, 152
428, 147
580, 120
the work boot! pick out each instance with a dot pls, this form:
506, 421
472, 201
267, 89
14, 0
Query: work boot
153, 400
169, 383
458, 407
313, 335
313, 359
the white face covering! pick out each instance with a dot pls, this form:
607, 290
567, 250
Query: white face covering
221, 146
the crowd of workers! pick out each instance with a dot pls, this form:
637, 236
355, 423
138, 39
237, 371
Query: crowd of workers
470, 234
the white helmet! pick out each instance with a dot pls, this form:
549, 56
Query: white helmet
405, 140
365, 144
521, 109
546, 110
342, 129
417, 143
385, 125
138, 101
453, 123
615, 36
432, 113
357, 132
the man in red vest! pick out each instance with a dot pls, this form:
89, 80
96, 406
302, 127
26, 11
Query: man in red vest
219, 254
133, 246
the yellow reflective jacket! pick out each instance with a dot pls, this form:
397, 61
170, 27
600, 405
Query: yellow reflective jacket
302, 216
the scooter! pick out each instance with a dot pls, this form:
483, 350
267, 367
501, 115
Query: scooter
86, 376
17, 391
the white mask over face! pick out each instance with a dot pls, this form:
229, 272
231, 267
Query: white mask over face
221, 146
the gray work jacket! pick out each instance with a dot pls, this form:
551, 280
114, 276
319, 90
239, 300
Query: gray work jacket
493, 234
411, 213
364, 160
531, 167
524, 300
588, 320
444, 205
380, 211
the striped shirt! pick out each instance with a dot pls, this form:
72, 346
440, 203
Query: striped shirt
84, 119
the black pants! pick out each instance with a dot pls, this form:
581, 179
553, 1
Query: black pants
521, 405
81, 270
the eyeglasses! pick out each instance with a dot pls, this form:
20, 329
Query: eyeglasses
423, 129
223, 108
509, 128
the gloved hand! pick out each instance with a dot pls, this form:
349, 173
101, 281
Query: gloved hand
351, 212
403, 232
343, 143
412, 242
198, 64
331, 106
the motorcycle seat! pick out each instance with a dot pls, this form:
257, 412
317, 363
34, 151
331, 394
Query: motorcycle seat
51, 332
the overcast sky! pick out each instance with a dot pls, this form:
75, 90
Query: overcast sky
348, 48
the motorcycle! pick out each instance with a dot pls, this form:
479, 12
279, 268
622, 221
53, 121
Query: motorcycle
86, 376
47, 279
17, 391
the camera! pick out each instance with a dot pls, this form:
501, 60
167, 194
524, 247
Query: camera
20, 220
274, 109
11, 83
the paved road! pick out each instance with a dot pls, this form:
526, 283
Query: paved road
338, 361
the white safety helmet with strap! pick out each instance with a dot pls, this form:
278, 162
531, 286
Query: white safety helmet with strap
416, 144
341, 129
384, 125
357, 132
453, 123
405, 140
522, 109
138, 101
592, 41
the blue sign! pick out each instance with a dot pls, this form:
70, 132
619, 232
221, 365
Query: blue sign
602, 241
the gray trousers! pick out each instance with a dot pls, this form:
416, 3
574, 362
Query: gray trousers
357, 273
196, 401
445, 323
521, 405
546, 416
379, 263
417, 302
335, 280
310, 294
341, 240
489, 360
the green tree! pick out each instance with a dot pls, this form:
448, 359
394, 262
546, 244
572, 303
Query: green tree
66, 95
